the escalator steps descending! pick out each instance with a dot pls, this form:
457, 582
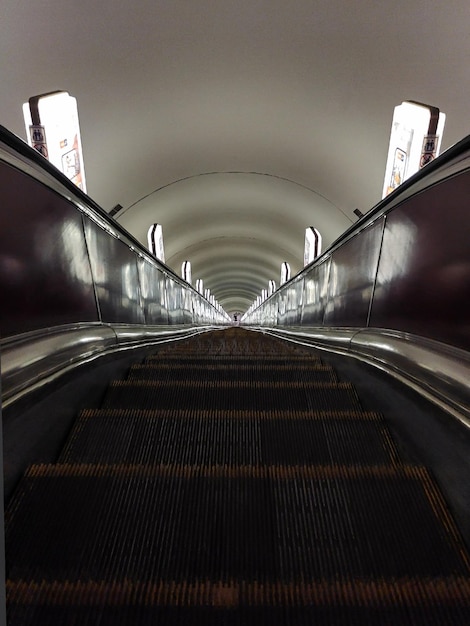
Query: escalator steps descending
232, 480
220, 437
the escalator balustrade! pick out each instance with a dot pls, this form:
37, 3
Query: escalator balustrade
232, 479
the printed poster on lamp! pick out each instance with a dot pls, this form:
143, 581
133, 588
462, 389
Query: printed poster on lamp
415, 140
53, 129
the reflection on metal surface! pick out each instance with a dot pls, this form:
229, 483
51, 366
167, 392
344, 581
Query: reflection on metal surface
114, 269
408, 269
31, 360
44, 270
423, 288
67, 270
399, 245
316, 294
32, 357
436, 370
350, 290
151, 283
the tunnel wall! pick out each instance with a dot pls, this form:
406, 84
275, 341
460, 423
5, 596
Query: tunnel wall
406, 267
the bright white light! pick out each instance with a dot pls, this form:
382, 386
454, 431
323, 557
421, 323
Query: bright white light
155, 241
52, 128
313, 243
186, 271
415, 140
285, 272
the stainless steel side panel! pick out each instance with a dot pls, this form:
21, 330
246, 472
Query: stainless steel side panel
294, 301
316, 294
175, 301
114, 269
45, 275
130, 334
187, 308
438, 368
351, 278
423, 282
29, 358
152, 281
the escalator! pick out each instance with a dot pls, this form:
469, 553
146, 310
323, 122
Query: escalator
232, 478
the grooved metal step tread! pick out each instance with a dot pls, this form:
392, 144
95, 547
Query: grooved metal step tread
431, 592
255, 472
170, 522
402, 613
252, 492
233, 437
241, 414
252, 359
231, 395
230, 371
233, 384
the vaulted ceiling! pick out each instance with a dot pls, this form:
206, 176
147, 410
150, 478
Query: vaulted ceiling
237, 124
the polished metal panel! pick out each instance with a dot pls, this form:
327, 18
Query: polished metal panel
128, 334
188, 296
339, 338
316, 294
439, 368
423, 282
162, 281
271, 310
33, 356
175, 299
152, 281
351, 278
114, 269
33, 359
45, 276
282, 315
294, 301
64, 269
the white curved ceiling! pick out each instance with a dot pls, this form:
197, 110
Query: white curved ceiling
237, 124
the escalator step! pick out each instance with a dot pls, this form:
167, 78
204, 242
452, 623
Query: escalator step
233, 438
237, 343
173, 522
252, 360
229, 371
235, 348
231, 394
426, 602
232, 481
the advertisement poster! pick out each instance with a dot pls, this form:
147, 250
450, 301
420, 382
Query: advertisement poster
53, 130
401, 138
415, 140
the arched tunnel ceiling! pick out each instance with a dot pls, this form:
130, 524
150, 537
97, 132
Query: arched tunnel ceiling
237, 124
235, 228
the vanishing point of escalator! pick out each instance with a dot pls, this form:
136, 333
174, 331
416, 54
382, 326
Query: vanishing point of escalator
232, 480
